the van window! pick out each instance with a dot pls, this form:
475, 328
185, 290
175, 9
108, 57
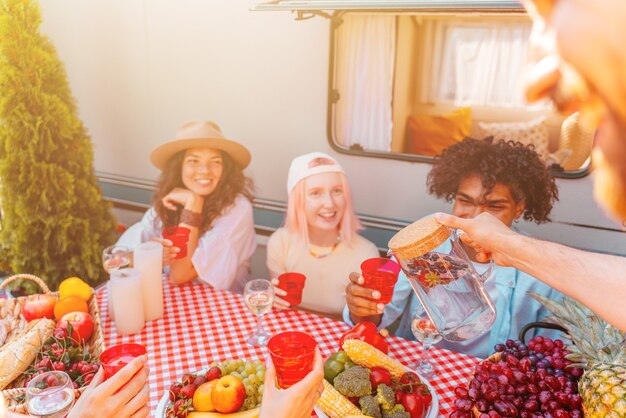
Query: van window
407, 85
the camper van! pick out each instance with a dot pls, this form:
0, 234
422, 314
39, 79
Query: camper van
345, 77
383, 87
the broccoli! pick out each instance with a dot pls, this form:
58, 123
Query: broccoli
386, 397
396, 412
369, 406
354, 382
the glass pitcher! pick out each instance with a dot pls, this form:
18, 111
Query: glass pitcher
445, 281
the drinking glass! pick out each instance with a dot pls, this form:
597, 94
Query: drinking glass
113, 359
50, 395
292, 353
293, 284
115, 257
259, 295
425, 332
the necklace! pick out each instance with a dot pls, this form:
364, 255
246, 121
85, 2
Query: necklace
322, 255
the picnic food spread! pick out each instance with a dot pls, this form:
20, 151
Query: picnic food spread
372, 384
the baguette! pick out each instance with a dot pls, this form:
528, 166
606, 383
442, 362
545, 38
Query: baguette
18, 354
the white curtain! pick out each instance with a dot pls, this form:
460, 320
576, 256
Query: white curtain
474, 65
364, 79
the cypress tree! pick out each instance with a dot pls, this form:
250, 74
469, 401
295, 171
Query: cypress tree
54, 222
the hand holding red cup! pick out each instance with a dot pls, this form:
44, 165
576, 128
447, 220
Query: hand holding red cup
380, 274
293, 284
113, 359
179, 235
292, 353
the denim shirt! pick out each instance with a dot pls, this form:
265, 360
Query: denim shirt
514, 309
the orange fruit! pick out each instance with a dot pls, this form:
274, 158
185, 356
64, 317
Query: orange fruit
70, 304
202, 397
74, 286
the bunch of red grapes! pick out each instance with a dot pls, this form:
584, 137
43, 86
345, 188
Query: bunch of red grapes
528, 381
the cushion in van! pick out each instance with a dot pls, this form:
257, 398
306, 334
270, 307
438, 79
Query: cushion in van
431, 134
533, 132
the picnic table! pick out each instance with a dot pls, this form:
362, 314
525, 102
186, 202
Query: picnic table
201, 325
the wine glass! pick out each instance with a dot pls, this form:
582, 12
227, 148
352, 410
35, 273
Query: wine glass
50, 395
115, 257
259, 295
425, 332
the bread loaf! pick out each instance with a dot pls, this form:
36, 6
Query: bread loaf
18, 354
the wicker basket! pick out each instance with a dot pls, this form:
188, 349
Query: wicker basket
11, 309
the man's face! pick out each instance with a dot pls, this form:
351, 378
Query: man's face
581, 65
472, 199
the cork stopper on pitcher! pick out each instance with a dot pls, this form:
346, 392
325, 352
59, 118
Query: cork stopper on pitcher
418, 238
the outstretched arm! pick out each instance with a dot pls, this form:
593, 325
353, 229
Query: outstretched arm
596, 280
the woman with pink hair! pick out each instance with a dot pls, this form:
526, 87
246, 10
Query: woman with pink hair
319, 238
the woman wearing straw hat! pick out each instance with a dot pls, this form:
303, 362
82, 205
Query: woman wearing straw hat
202, 187
320, 237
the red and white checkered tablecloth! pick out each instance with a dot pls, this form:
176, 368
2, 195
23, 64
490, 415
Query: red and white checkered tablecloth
201, 325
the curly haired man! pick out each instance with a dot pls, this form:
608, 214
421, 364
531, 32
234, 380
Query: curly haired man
507, 180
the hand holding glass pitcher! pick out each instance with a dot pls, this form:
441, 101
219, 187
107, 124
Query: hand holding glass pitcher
444, 279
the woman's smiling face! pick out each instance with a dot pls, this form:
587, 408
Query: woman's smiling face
202, 170
324, 201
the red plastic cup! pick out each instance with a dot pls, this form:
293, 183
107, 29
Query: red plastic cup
292, 354
118, 356
292, 283
380, 274
179, 235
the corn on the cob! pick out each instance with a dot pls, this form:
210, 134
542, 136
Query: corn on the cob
334, 404
365, 355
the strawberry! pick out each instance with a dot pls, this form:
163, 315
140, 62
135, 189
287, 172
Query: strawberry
175, 391
213, 373
181, 408
199, 380
187, 391
187, 379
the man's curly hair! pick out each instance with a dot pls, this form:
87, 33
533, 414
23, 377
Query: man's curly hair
507, 162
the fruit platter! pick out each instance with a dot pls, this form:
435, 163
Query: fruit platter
363, 380
231, 388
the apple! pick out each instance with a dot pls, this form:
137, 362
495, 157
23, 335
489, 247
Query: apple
202, 397
228, 394
39, 306
82, 325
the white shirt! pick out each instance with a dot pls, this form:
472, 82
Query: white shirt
222, 258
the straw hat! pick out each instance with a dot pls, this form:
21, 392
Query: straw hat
199, 133
578, 138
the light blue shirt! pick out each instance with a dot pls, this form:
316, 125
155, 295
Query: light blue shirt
508, 289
